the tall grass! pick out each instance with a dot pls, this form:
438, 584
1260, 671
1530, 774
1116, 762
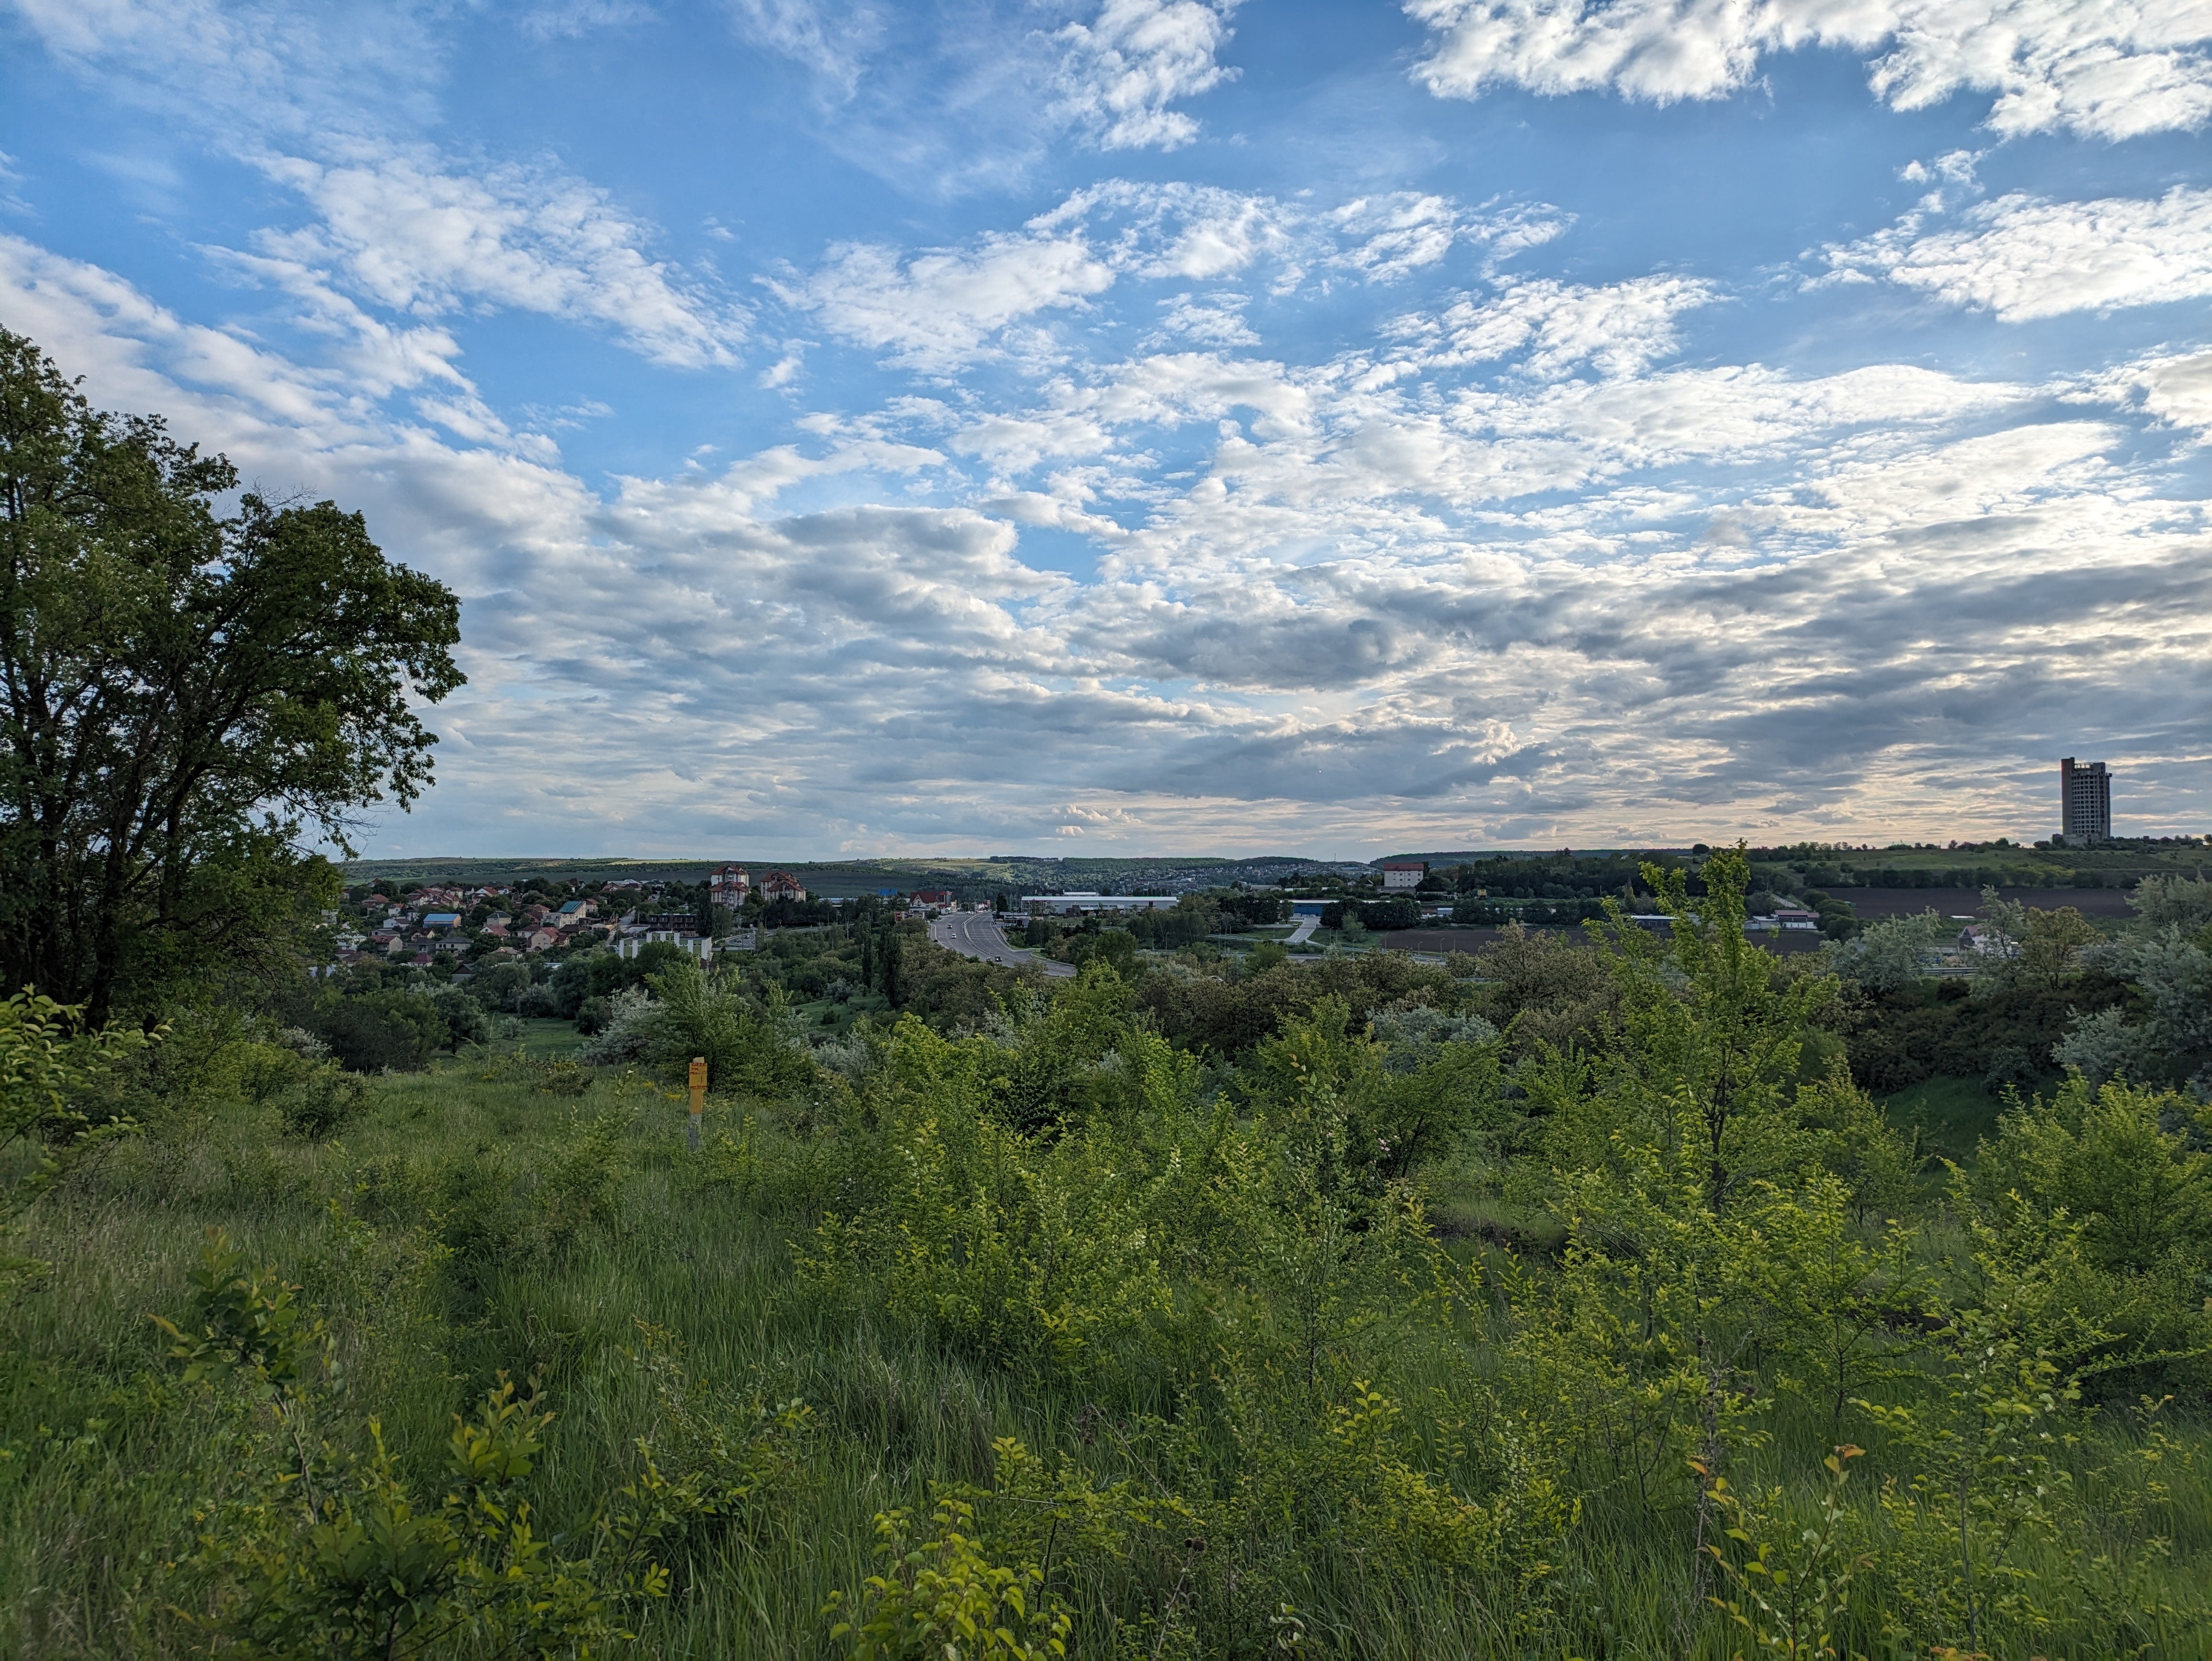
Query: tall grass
470, 1226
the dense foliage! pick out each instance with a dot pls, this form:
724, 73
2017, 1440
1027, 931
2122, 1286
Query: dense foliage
180, 695
1572, 1299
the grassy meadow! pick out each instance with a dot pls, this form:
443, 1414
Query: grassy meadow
1392, 1335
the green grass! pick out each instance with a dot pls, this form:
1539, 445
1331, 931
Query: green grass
100, 1451
93, 1481
553, 1040
1952, 1115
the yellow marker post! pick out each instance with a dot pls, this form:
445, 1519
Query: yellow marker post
698, 1095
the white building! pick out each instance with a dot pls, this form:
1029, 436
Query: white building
1404, 873
1086, 901
701, 946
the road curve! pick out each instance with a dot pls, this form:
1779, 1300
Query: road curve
977, 935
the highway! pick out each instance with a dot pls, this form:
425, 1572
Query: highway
977, 935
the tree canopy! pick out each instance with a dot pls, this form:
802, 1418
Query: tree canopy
186, 694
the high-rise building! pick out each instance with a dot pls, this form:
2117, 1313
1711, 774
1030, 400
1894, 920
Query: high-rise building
2085, 800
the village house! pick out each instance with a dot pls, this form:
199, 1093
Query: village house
1991, 942
781, 886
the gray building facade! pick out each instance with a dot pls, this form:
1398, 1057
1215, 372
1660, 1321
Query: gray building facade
2084, 802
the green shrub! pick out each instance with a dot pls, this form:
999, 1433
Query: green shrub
943, 1597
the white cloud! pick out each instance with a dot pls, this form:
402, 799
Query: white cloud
833, 40
1214, 319
326, 97
1621, 328
2175, 389
2108, 68
414, 234
1392, 236
253, 70
934, 310
1124, 69
1392, 594
937, 309
2022, 257
1194, 232
553, 20
1018, 444
945, 101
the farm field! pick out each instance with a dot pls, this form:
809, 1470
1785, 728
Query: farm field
2095, 902
1474, 939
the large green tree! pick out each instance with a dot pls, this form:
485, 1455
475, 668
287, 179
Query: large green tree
188, 695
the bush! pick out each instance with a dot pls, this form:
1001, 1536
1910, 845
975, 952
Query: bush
539, 1003
747, 1048
313, 1099
383, 1031
465, 1018
623, 1032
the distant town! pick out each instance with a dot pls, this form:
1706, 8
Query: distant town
1807, 892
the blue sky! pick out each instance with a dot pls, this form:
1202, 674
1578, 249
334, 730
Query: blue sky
1164, 425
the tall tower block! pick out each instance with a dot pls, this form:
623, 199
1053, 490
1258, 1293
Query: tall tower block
2084, 802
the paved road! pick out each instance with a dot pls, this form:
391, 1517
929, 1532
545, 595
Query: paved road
977, 935
1303, 932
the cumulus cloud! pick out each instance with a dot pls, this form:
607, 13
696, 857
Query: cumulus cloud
1504, 571
413, 234
1620, 328
2174, 388
938, 309
2102, 69
1124, 68
935, 309
2022, 257
1193, 232
1392, 236
1214, 319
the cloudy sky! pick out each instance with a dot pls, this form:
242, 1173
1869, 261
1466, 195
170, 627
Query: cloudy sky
1188, 425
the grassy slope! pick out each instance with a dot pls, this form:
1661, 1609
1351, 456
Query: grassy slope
688, 1259
1951, 1115
89, 1490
